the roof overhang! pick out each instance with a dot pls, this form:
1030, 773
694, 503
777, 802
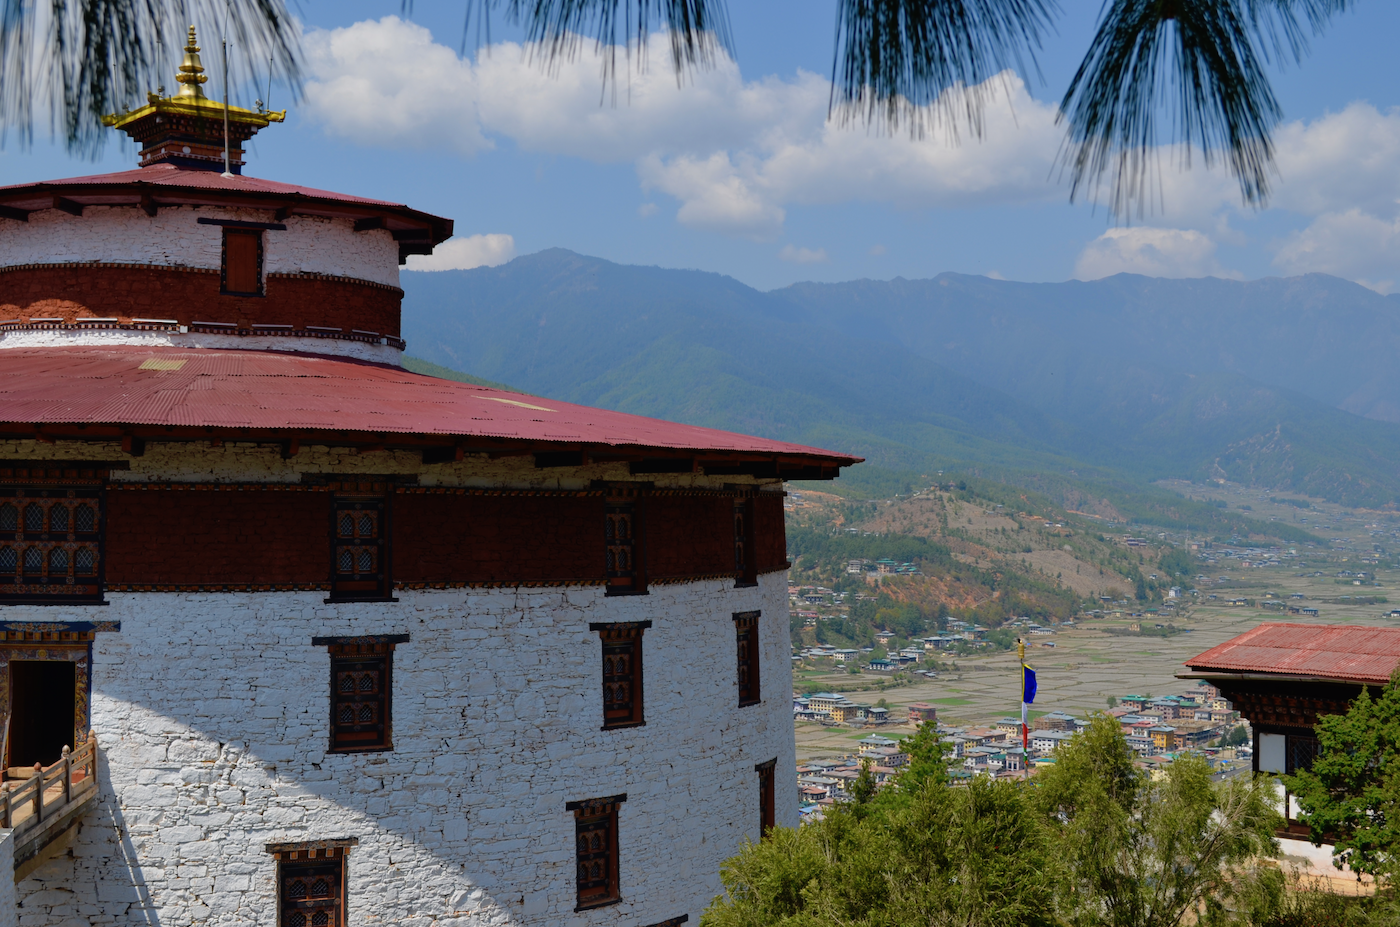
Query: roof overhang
138, 395
1210, 675
416, 232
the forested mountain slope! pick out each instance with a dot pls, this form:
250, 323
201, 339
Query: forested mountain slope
1126, 377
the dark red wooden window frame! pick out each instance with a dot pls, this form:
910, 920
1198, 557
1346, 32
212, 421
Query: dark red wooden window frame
623, 689
305, 863
624, 539
766, 810
352, 499
33, 573
596, 851
229, 274
747, 643
354, 660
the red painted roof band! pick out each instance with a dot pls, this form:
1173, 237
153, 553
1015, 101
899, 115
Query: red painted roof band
284, 390
1350, 652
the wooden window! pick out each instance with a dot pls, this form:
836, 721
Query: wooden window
362, 691
766, 813
746, 635
51, 536
622, 539
595, 841
311, 882
622, 672
242, 263
745, 564
359, 542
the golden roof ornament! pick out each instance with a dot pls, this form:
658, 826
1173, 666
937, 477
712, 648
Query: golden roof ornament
191, 73
187, 128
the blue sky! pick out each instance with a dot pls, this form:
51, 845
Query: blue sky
738, 172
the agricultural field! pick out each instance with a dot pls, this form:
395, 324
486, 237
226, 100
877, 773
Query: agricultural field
1122, 652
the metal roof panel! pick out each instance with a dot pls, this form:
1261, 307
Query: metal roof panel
286, 390
1352, 652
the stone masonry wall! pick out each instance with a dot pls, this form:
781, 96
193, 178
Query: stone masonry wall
174, 237
211, 712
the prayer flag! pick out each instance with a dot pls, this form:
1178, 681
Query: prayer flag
1028, 696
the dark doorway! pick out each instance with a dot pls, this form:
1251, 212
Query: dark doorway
42, 694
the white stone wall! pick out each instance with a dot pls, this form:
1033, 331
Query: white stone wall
212, 715
60, 338
174, 237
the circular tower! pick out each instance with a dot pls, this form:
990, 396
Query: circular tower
293, 636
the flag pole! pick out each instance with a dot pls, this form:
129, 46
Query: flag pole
227, 172
1025, 732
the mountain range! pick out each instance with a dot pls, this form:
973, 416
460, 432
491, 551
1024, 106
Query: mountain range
1291, 384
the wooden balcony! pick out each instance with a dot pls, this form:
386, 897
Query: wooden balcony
45, 809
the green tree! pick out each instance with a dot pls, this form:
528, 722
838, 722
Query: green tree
1352, 792
927, 766
1177, 562
864, 788
1112, 702
973, 856
1139, 852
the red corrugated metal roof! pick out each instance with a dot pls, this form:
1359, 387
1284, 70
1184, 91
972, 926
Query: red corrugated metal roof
1351, 652
278, 390
168, 175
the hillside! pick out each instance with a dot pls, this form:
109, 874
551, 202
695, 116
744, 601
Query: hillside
965, 556
1077, 390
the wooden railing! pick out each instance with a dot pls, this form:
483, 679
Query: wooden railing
27, 804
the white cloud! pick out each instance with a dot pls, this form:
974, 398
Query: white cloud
1346, 160
388, 85
736, 155
466, 253
1349, 244
802, 255
733, 153
877, 250
1151, 252
646, 210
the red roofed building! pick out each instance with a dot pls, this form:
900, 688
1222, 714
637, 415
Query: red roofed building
1281, 677
297, 637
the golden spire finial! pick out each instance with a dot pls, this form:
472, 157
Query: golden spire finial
191, 72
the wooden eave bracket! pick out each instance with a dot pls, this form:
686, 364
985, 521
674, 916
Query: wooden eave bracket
72, 207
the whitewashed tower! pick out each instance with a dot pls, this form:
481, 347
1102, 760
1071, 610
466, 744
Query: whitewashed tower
297, 637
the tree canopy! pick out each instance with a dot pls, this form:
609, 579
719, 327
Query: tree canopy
1352, 793
1091, 841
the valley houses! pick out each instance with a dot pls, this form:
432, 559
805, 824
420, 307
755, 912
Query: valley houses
293, 636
